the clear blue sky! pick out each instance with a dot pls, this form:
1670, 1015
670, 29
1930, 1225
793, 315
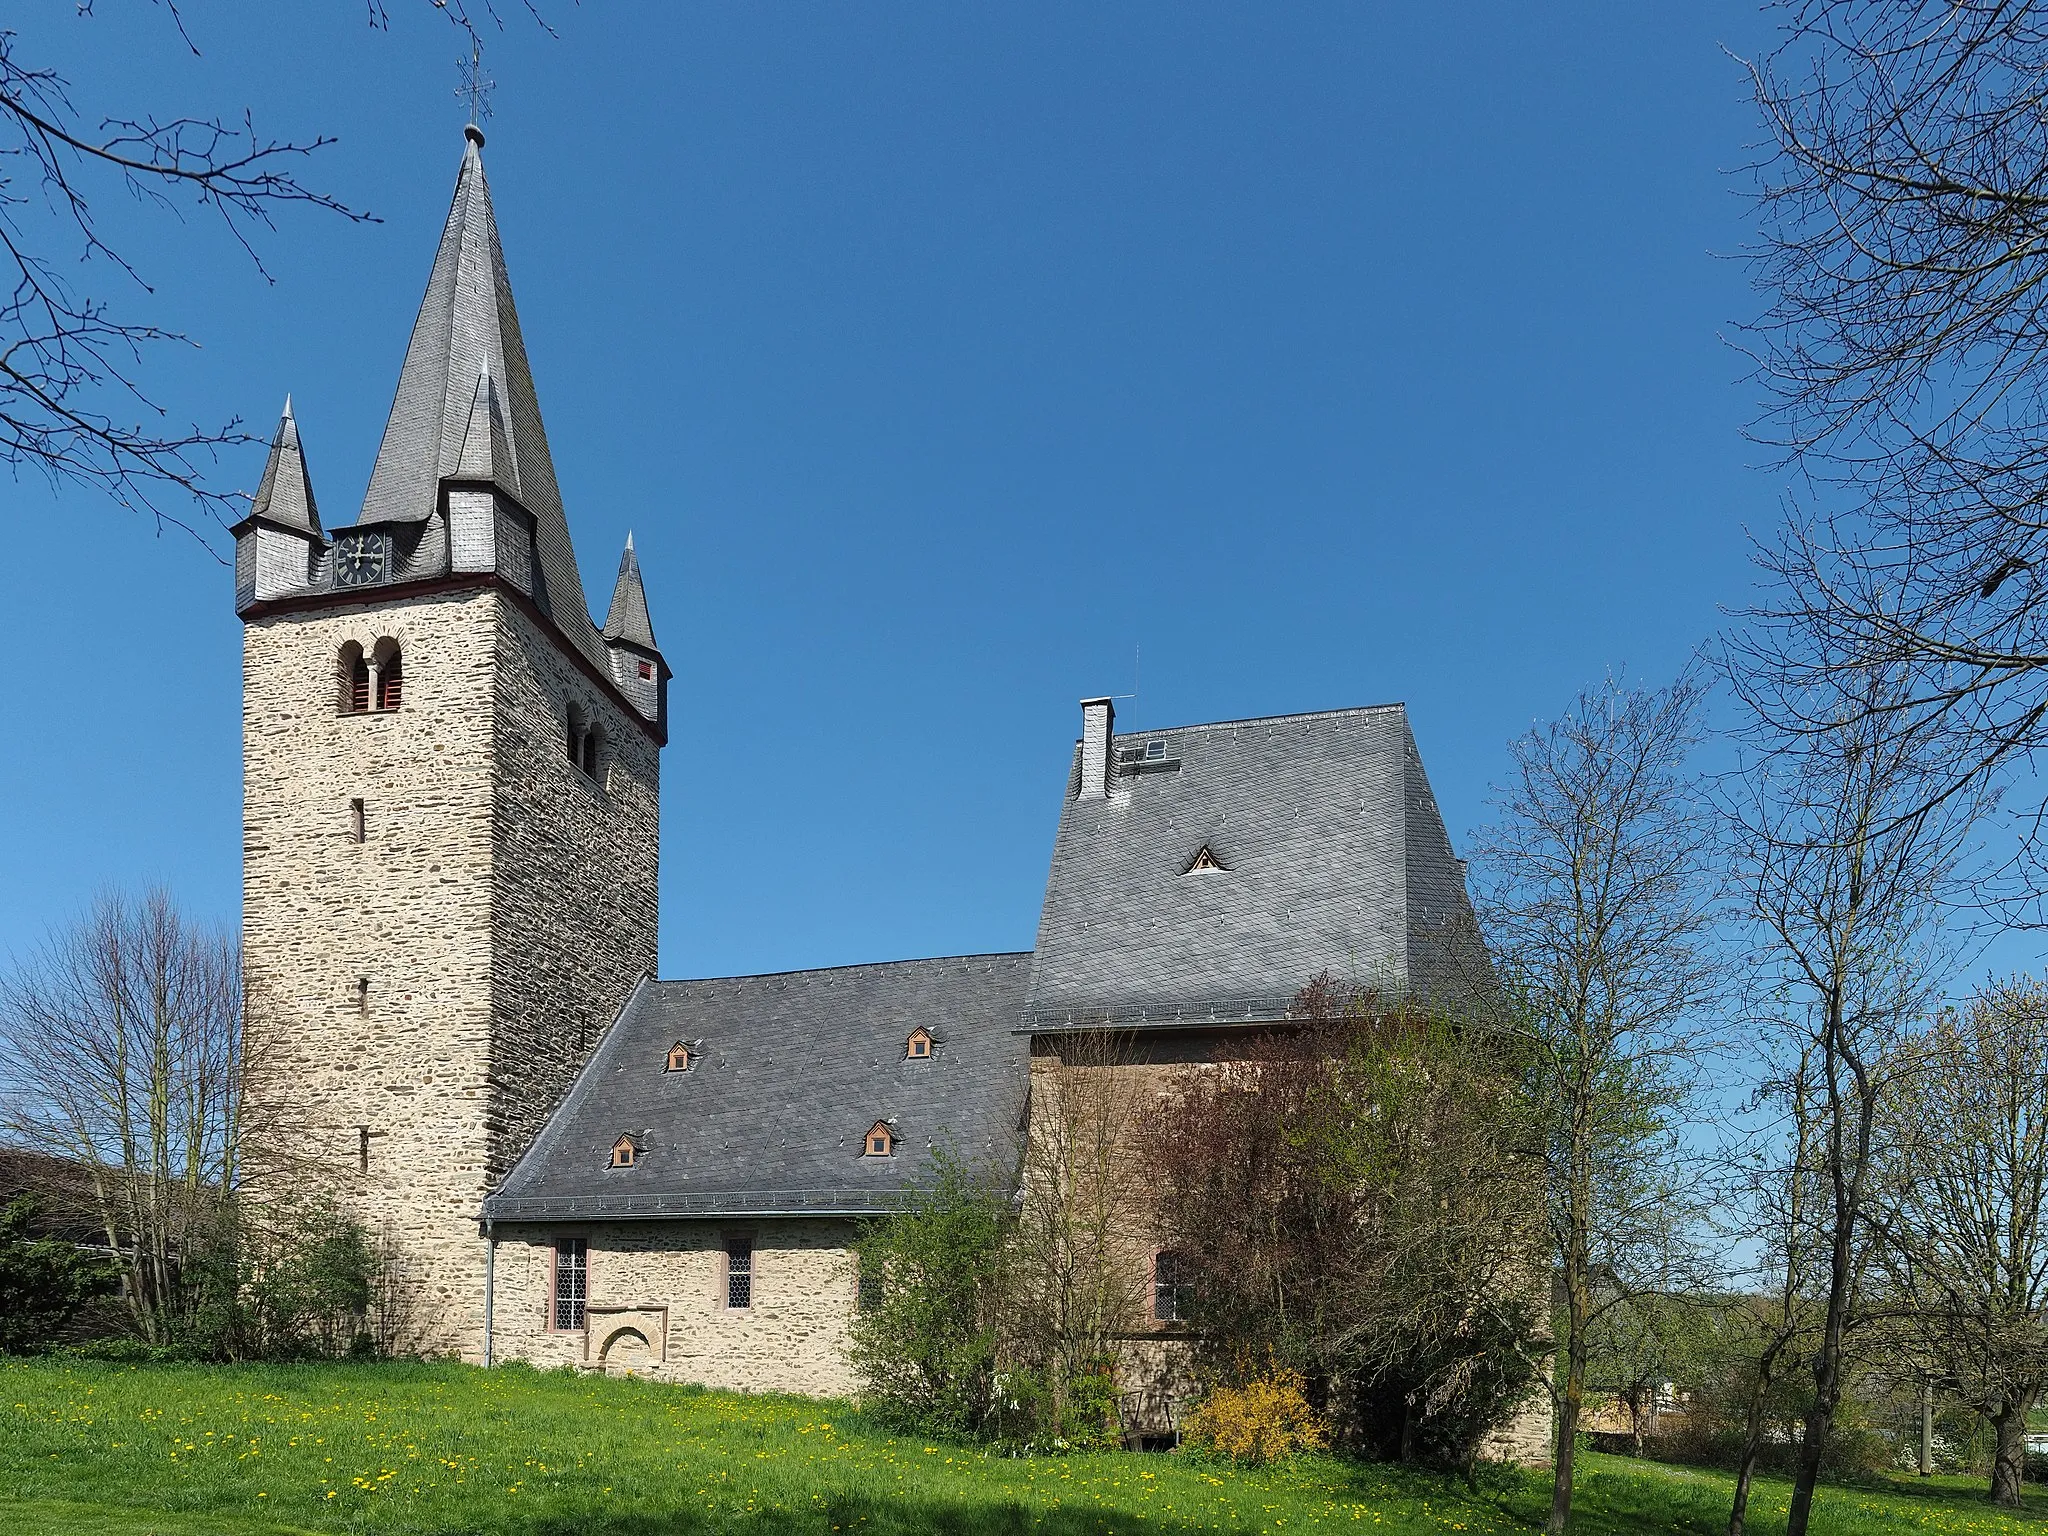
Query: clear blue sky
939, 357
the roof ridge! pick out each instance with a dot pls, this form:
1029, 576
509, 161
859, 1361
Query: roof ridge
1306, 714
855, 965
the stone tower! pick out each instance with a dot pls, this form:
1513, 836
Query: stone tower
450, 780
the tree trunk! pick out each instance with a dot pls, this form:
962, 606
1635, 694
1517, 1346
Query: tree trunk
2009, 1459
1573, 1400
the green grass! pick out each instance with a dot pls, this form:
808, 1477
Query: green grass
254, 1451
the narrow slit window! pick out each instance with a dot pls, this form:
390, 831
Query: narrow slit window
572, 1280
357, 829
363, 996
739, 1272
362, 1149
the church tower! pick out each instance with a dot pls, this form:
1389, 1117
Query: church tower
450, 795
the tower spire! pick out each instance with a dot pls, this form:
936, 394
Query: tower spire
465, 396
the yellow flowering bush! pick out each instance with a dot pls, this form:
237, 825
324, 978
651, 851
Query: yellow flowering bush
1264, 1420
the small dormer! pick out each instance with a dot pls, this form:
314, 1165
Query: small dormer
881, 1140
625, 1152
680, 1058
919, 1046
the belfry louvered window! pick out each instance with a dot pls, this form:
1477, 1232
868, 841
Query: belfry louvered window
355, 680
572, 1276
391, 682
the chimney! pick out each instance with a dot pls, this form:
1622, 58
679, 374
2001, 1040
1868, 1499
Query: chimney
1098, 719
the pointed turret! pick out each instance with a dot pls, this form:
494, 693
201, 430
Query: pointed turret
466, 399
637, 665
278, 544
285, 493
627, 618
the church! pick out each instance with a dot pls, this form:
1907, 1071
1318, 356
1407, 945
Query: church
451, 840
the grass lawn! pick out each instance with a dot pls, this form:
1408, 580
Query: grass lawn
254, 1451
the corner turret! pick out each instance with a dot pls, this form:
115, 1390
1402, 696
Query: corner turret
637, 665
278, 546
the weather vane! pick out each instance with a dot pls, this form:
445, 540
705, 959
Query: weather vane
476, 87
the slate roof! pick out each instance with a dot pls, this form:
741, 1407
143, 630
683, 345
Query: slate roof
627, 618
1332, 853
466, 404
793, 1070
285, 493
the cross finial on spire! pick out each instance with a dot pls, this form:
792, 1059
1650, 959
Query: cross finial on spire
476, 87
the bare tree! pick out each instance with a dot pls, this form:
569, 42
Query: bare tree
1080, 1248
1904, 208
1774, 1198
1842, 855
1596, 903
73, 402
123, 1036
1964, 1211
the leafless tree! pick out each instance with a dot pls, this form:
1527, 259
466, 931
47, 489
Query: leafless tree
123, 1043
1773, 1198
1963, 1222
1594, 893
1842, 855
1080, 1251
1904, 206
74, 405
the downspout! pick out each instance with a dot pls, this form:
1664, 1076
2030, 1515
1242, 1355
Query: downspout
490, 1284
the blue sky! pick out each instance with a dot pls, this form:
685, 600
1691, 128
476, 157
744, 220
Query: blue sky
941, 358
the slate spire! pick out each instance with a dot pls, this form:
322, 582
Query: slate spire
465, 395
285, 493
627, 620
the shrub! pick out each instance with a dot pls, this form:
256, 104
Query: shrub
44, 1282
1264, 1420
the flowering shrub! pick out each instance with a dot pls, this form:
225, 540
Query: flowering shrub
1263, 1420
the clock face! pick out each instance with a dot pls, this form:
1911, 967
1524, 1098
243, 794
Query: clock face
362, 560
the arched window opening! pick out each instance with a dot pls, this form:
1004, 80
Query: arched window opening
574, 734
354, 679
624, 1152
389, 667
593, 744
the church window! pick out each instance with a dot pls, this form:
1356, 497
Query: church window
389, 666
679, 1057
1172, 1292
739, 1271
624, 1152
881, 1140
572, 1280
919, 1046
355, 680
358, 829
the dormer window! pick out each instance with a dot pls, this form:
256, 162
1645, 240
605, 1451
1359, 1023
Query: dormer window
625, 1152
679, 1057
1154, 751
881, 1140
919, 1046
646, 671
1203, 861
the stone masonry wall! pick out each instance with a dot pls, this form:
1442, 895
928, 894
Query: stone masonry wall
575, 912
793, 1338
409, 908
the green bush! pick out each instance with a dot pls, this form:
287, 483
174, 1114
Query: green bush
44, 1282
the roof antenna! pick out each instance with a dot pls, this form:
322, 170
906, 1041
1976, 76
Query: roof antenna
475, 88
